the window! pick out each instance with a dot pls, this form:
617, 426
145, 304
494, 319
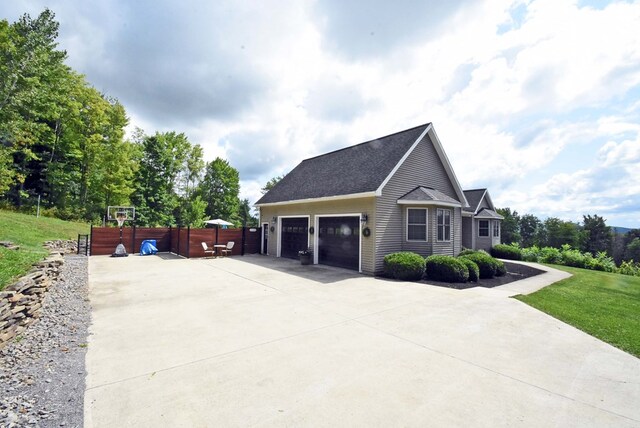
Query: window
416, 224
483, 229
496, 228
444, 224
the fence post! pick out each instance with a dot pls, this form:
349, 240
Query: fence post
188, 240
91, 240
133, 239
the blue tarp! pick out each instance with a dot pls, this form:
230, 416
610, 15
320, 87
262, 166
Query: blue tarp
148, 247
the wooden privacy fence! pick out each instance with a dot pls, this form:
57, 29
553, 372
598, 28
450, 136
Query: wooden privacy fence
184, 241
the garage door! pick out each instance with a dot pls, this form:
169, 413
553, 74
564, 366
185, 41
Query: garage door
294, 236
339, 242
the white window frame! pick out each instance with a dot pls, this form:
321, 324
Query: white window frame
488, 235
496, 228
426, 225
444, 211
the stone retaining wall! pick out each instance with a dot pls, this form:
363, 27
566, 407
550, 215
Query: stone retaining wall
21, 302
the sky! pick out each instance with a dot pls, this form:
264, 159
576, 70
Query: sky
539, 101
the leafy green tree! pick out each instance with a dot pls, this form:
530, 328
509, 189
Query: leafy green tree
161, 164
632, 251
219, 189
596, 234
530, 226
245, 214
272, 182
192, 212
509, 229
32, 82
561, 232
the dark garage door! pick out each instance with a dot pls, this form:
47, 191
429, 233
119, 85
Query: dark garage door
339, 242
294, 236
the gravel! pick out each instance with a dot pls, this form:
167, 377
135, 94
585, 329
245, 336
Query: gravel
42, 371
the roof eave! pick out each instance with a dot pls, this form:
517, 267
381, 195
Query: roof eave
320, 199
440, 203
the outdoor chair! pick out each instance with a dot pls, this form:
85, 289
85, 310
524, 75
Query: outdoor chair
207, 249
227, 250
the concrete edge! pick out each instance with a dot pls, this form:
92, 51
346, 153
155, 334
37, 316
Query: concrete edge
534, 283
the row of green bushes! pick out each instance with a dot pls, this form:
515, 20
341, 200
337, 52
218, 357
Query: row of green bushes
566, 256
468, 266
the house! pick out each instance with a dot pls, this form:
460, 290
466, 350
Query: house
480, 221
355, 205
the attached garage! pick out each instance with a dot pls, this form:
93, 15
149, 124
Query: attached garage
339, 241
294, 236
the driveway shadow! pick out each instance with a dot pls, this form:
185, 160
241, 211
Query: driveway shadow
318, 273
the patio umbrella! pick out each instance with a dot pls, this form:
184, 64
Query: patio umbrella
218, 222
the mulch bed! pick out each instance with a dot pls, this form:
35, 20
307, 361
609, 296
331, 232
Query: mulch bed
515, 272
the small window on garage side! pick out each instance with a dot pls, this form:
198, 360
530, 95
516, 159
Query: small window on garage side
483, 228
444, 224
416, 224
496, 229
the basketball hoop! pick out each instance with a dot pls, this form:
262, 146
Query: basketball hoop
121, 217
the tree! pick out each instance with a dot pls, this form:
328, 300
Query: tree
596, 234
32, 83
561, 232
272, 182
632, 251
530, 227
219, 189
161, 164
509, 230
245, 214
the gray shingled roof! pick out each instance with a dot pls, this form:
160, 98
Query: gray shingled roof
356, 169
473, 197
487, 213
426, 194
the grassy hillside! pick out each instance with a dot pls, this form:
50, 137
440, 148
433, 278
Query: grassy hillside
29, 232
605, 305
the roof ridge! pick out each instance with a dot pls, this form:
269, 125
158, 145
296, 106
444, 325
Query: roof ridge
475, 190
367, 142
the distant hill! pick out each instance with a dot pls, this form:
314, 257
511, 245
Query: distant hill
620, 230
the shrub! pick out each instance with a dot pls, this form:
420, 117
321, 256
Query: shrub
629, 268
486, 264
405, 266
466, 251
446, 268
531, 254
550, 255
509, 252
474, 271
574, 258
501, 269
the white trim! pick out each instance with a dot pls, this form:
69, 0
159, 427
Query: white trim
480, 202
317, 232
493, 229
450, 225
439, 203
401, 161
322, 199
426, 225
467, 214
280, 217
265, 250
447, 166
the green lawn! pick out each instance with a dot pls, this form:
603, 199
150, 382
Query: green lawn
29, 232
605, 305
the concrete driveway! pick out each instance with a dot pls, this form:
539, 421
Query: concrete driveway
253, 340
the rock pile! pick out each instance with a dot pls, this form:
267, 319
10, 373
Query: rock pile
21, 303
66, 247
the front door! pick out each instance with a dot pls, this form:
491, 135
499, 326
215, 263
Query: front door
294, 236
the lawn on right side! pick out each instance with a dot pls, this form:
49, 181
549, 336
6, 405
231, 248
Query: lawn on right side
605, 305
